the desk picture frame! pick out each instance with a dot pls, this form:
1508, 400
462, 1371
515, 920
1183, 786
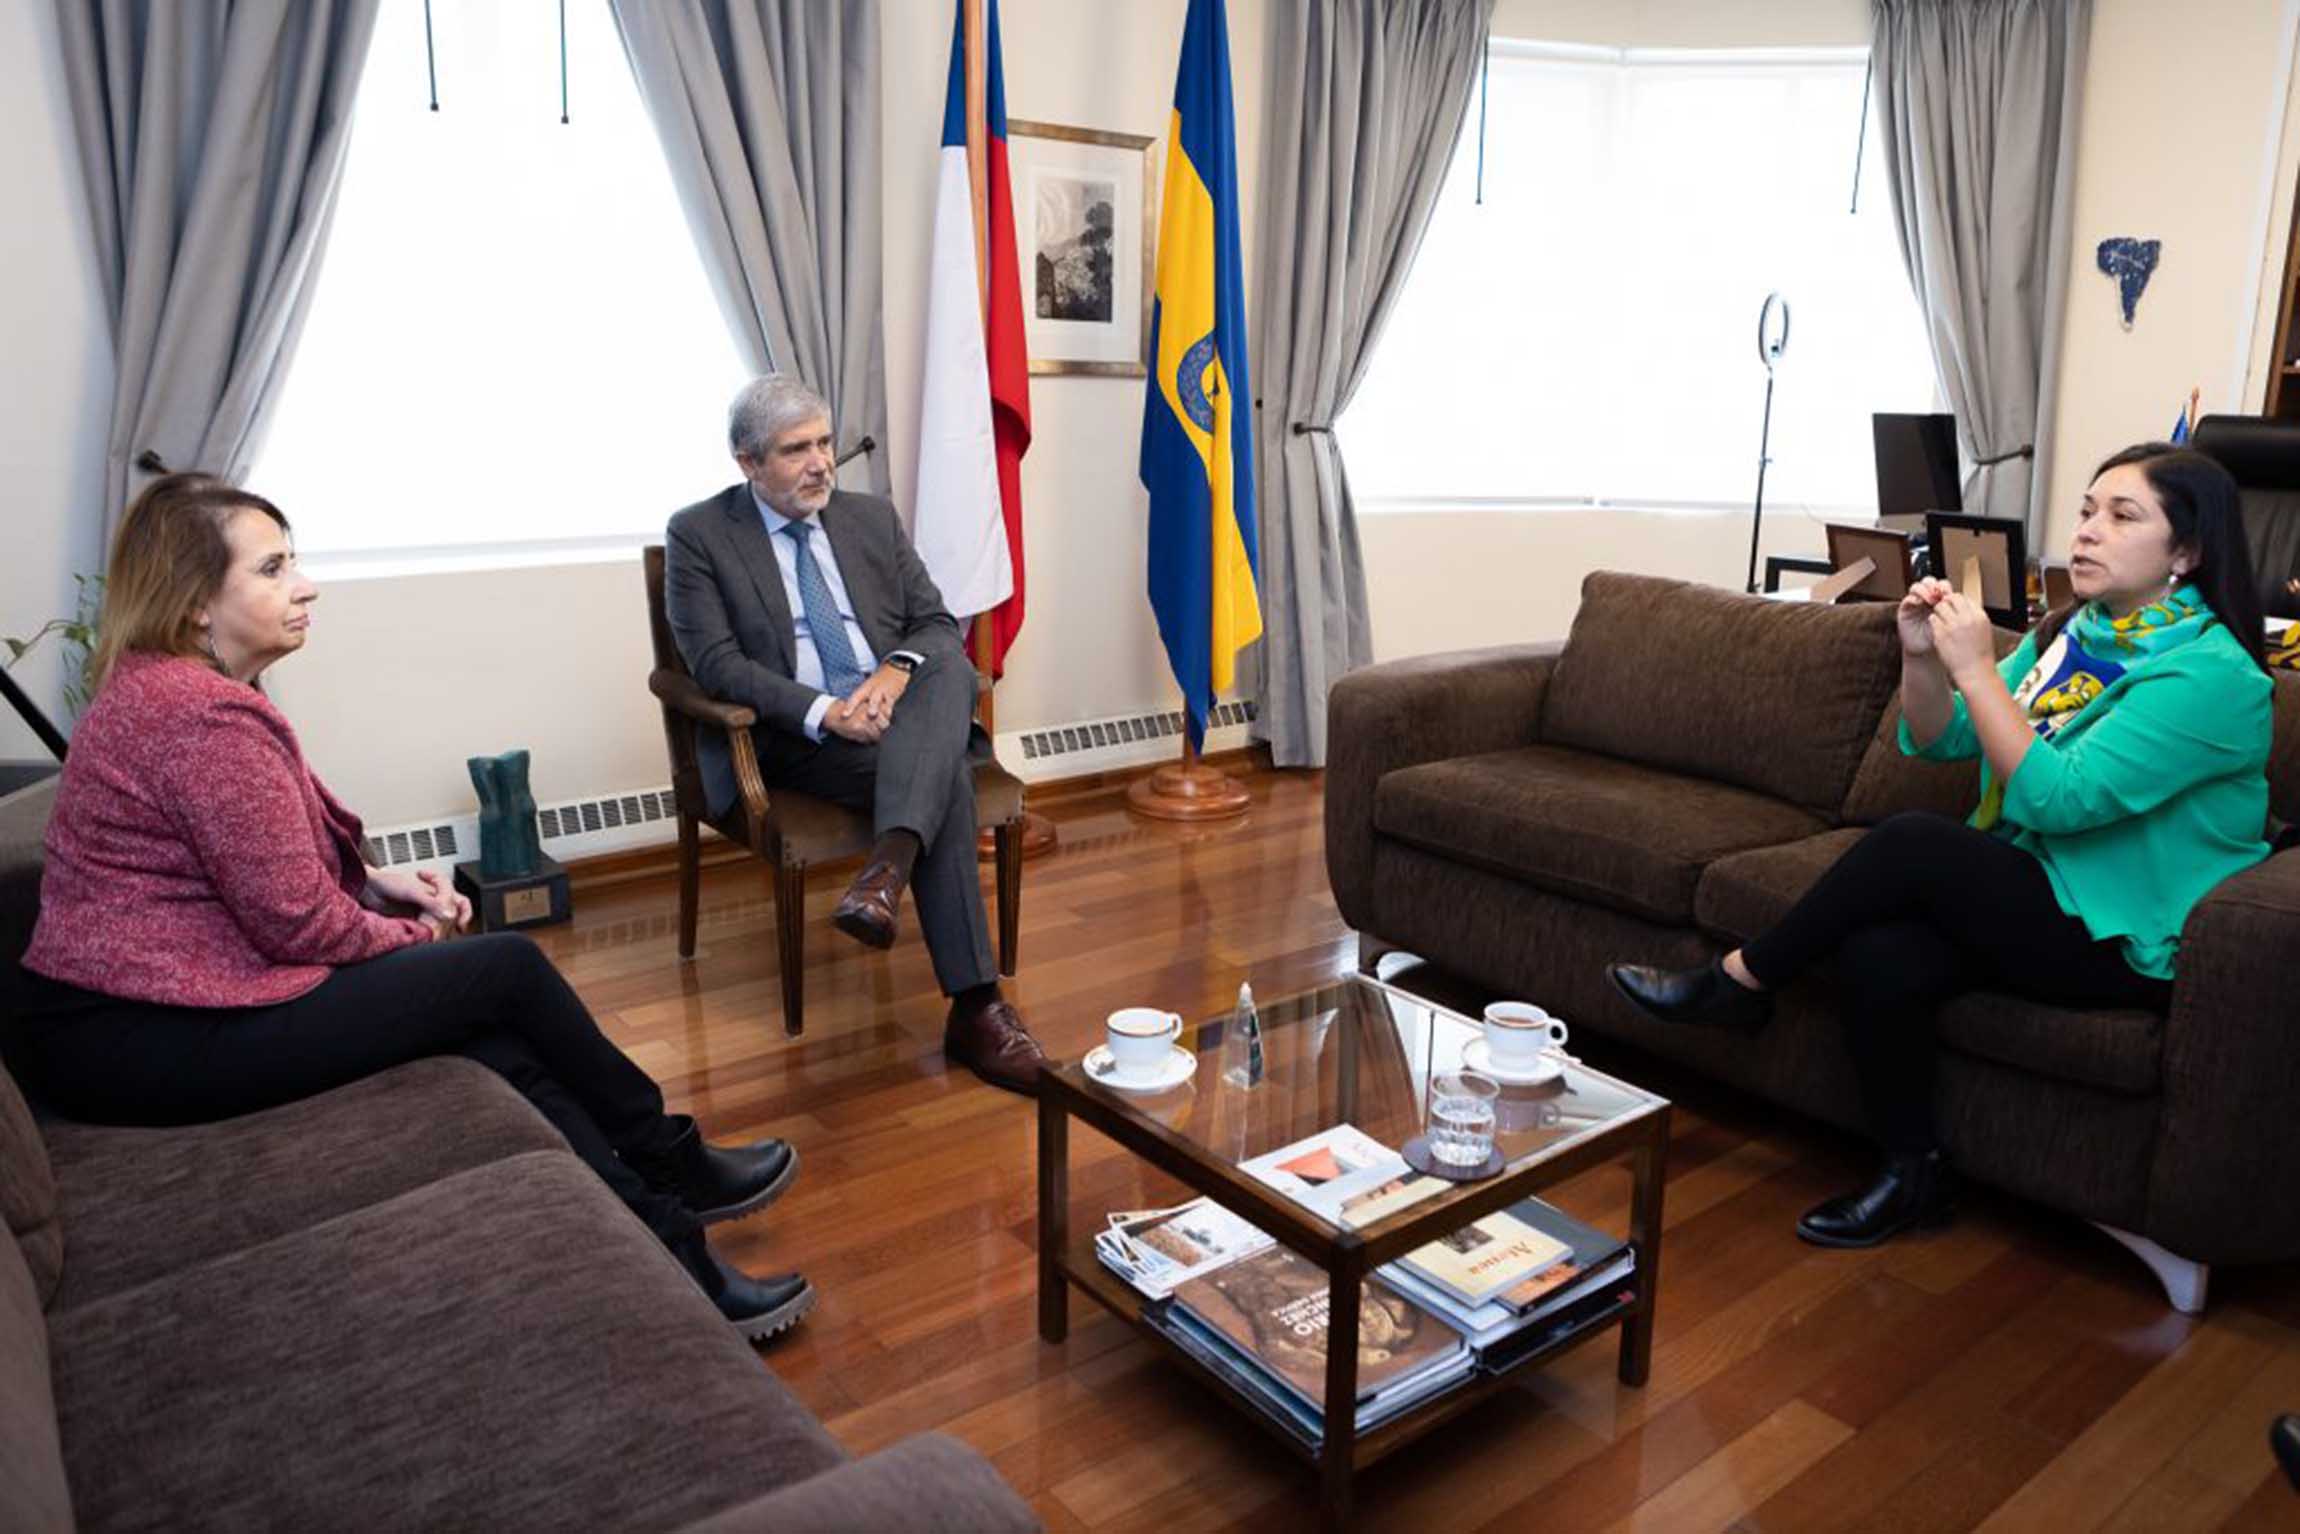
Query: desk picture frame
1889, 549
2000, 544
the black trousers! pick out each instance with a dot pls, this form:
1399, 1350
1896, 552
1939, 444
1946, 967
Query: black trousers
1920, 909
918, 778
494, 999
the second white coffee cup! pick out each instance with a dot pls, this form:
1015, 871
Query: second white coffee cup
1140, 1038
1518, 1031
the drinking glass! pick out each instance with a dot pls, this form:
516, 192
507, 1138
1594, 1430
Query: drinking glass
1461, 1117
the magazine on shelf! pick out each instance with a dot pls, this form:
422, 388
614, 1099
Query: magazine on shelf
1591, 1249
1157, 1249
1271, 1307
1593, 1306
1345, 1175
1301, 1417
1494, 1322
1486, 1256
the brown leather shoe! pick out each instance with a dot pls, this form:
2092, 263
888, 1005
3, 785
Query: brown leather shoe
866, 912
990, 1041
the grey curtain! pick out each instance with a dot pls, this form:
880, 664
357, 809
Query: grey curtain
1977, 111
212, 137
1367, 98
768, 111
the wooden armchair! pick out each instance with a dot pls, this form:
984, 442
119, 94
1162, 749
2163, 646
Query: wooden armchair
791, 831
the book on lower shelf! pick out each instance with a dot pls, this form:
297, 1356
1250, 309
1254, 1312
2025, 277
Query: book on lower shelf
1274, 1306
1263, 1322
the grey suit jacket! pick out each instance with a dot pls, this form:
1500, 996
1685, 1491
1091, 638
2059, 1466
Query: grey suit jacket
723, 594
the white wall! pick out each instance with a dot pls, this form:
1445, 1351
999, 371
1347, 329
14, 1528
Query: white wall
58, 377
408, 676
2180, 141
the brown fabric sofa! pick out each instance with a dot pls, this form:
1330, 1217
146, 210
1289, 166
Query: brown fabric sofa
403, 1304
1665, 785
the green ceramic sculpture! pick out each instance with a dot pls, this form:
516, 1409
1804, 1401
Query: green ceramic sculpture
510, 846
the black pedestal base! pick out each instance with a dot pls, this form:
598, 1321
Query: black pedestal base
524, 900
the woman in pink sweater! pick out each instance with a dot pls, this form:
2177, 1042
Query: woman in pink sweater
211, 942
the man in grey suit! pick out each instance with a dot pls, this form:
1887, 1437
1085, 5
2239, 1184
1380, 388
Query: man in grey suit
809, 605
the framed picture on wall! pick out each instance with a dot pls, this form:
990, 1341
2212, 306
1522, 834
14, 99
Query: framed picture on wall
1085, 219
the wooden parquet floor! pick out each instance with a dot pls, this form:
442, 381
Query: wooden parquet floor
2015, 1371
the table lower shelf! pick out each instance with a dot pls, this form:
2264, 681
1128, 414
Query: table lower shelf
1082, 1270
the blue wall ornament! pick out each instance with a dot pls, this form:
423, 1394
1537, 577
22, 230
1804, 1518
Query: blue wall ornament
2131, 262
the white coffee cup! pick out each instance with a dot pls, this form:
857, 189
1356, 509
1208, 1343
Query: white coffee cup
1140, 1038
1516, 1032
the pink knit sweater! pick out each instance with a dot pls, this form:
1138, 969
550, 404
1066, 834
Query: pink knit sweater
193, 859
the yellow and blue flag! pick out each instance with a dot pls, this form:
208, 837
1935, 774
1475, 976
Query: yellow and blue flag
1197, 419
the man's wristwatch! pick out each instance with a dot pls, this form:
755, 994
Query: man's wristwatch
903, 661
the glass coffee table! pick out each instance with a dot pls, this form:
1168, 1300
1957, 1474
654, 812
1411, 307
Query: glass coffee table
1361, 1052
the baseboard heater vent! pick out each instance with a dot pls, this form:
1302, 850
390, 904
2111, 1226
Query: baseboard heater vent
579, 828
1127, 740
646, 817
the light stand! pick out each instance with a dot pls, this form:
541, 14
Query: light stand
1769, 350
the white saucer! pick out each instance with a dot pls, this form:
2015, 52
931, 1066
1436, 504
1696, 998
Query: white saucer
1179, 1066
1477, 1057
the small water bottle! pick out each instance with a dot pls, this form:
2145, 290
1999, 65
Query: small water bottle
1242, 1049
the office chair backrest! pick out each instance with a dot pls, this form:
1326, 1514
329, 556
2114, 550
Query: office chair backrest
2263, 457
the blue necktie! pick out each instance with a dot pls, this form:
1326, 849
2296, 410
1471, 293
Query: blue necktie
841, 675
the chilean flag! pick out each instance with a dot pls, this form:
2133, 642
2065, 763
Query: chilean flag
974, 413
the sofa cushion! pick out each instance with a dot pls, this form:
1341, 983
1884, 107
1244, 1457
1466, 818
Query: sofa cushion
140, 1203
23, 823
1742, 895
1889, 782
505, 1349
28, 1199
34, 1496
1778, 697
2114, 1051
1625, 835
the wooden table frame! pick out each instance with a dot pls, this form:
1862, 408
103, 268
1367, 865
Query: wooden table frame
1641, 1135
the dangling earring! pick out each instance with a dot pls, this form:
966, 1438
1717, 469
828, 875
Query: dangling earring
208, 645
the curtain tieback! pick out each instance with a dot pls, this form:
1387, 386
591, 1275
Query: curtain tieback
1304, 428
868, 444
2025, 450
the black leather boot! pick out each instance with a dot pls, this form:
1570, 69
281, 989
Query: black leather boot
1701, 998
1915, 1189
757, 1307
717, 1182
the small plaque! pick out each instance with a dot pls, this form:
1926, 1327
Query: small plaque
520, 906
523, 900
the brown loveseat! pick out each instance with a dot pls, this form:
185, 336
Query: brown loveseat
1664, 786
403, 1304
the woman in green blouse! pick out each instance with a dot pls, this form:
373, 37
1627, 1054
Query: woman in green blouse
2123, 746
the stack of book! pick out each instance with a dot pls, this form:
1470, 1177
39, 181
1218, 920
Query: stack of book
1517, 1277
1262, 1323
1490, 1295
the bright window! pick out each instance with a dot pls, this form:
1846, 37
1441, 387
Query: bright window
512, 349
1587, 335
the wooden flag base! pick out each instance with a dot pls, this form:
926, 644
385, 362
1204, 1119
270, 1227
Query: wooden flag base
1038, 838
1188, 790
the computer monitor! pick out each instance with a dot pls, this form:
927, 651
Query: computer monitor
1916, 468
